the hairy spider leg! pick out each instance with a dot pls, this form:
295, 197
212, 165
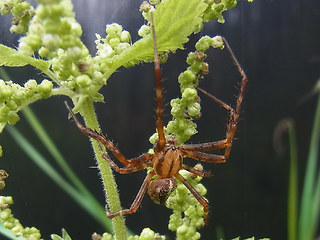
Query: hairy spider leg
195, 171
157, 72
137, 201
108, 144
125, 170
195, 151
197, 195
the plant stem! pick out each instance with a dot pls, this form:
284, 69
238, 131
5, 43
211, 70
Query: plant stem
87, 111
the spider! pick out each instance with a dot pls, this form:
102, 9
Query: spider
167, 159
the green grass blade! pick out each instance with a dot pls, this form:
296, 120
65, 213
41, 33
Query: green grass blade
307, 216
57, 156
52, 149
316, 205
293, 184
40, 161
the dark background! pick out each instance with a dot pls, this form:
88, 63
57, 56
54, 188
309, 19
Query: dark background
276, 42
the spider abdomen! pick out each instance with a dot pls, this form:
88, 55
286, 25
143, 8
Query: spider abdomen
160, 189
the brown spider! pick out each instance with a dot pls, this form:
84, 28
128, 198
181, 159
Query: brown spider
167, 158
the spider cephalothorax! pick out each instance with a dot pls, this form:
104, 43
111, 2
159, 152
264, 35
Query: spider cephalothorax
167, 157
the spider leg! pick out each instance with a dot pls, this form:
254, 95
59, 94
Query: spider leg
234, 114
125, 170
108, 144
195, 171
157, 72
204, 147
205, 157
200, 199
137, 201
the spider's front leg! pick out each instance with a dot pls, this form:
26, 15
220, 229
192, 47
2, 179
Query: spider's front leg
109, 145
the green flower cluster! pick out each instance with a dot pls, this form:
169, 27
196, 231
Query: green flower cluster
14, 224
53, 27
216, 7
21, 11
13, 97
146, 234
116, 42
188, 108
187, 214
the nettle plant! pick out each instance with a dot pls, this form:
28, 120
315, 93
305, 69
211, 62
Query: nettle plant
51, 42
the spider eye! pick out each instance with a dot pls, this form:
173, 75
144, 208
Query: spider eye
160, 189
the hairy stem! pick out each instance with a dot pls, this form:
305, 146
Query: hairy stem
109, 183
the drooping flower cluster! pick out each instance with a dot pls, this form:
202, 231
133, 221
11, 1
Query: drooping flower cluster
187, 108
10, 222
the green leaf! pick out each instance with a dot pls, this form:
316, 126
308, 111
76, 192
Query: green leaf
12, 58
174, 22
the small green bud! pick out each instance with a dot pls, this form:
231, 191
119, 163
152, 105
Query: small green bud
114, 42
7, 224
144, 30
125, 36
153, 138
147, 234
5, 214
194, 109
4, 110
190, 58
17, 231
189, 95
34, 41
43, 52
201, 189
56, 10
114, 30
76, 28
186, 77
5, 91
204, 43
107, 236
24, 47
74, 53
31, 84
6, 200
13, 118
45, 88
83, 80
190, 131
217, 42
196, 66
1, 151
